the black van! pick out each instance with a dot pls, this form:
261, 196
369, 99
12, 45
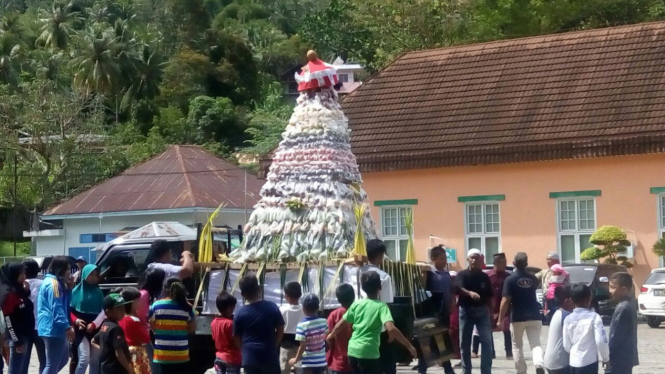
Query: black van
597, 276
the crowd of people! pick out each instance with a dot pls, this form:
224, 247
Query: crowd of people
577, 342
144, 330
66, 318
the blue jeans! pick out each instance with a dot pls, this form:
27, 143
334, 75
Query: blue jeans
18, 362
38, 344
480, 317
57, 354
87, 356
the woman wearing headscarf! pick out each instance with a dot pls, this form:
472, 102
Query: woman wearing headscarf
53, 323
87, 315
19, 317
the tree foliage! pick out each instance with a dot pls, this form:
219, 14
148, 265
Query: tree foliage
137, 75
609, 244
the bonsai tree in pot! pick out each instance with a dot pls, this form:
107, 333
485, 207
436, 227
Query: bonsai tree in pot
610, 245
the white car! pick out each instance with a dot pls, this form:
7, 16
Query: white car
652, 298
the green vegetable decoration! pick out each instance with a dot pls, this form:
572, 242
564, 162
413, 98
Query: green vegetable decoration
609, 244
313, 207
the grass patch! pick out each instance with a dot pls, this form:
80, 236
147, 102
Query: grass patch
7, 248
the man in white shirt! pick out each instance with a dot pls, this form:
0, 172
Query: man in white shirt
584, 336
376, 251
161, 257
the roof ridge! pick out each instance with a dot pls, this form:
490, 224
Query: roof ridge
185, 175
546, 36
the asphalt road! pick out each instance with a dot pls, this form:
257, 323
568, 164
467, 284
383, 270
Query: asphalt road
651, 347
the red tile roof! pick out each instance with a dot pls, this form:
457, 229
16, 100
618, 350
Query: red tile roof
575, 95
181, 177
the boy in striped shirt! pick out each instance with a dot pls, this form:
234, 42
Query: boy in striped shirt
311, 333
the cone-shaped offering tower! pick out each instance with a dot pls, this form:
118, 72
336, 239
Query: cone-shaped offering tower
309, 207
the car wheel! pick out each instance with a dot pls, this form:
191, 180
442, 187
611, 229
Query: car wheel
653, 322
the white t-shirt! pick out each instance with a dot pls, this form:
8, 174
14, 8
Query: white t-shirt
386, 295
556, 357
584, 337
172, 271
34, 283
292, 315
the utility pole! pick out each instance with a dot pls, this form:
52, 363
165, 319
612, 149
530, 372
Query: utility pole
15, 198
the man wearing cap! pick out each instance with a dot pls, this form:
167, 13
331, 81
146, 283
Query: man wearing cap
80, 263
475, 300
543, 277
498, 276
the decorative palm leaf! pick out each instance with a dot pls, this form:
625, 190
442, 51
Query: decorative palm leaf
241, 274
206, 240
410, 250
359, 249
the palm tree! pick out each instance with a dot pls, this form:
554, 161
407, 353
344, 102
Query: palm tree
99, 14
10, 23
145, 84
97, 69
9, 52
56, 26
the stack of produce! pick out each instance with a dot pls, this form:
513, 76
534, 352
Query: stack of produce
308, 205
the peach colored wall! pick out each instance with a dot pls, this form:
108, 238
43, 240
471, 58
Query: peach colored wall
528, 214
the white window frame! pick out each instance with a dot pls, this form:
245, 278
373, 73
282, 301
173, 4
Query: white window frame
577, 232
400, 235
660, 204
484, 234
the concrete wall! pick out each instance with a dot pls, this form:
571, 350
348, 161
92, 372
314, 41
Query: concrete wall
528, 214
74, 227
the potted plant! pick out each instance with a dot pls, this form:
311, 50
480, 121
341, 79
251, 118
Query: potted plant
610, 245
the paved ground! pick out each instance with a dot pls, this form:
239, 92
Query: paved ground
651, 349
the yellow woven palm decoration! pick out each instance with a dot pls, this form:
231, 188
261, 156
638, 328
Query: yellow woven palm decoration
359, 249
206, 240
410, 250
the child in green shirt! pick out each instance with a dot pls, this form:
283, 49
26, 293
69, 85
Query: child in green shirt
368, 316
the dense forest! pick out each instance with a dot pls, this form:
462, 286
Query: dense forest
91, 87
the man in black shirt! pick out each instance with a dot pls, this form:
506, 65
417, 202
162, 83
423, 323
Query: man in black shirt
475, 296
114, 356
519, 295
